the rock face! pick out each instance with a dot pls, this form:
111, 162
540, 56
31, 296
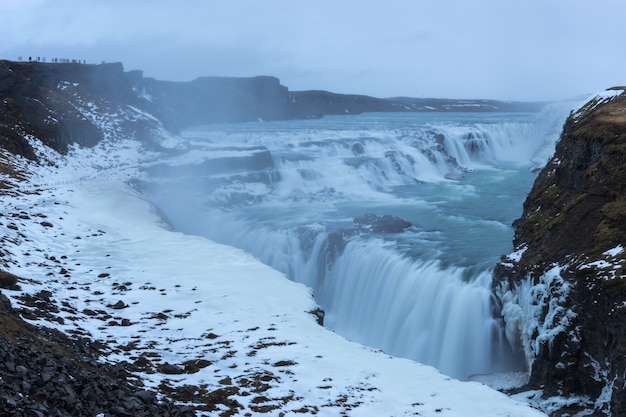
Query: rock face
564, 288
52, 102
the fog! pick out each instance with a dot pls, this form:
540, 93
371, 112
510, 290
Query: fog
531, 50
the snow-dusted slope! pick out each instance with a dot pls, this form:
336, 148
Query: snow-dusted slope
199, 321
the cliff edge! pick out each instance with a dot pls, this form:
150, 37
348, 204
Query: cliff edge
56, 103
563, 290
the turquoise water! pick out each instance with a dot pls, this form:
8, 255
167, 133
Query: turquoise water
289, 191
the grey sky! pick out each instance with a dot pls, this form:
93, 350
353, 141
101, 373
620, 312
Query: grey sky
501, 49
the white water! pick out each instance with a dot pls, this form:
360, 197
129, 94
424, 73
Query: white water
423, 293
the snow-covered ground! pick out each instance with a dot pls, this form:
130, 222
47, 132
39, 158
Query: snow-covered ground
153, 296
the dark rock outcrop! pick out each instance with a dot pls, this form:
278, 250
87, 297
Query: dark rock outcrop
385, 223
564, 289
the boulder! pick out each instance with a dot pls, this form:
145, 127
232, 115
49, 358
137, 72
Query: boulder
377, 223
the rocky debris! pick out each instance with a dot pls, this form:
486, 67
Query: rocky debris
569, 252
45, 373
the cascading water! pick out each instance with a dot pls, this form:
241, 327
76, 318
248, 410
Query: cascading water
394, 220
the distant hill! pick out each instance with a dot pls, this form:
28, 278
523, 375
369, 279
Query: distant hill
226, 99
454, 105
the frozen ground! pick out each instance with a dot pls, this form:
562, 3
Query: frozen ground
195, 317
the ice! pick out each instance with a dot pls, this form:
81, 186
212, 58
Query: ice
502, 381
536, 309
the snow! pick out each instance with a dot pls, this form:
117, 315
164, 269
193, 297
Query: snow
187, 298
595, 100
553, 404
615, 251
611, 267
502, 381
517, 255
142, 113
601, 264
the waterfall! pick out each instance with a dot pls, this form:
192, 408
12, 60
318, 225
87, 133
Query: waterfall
291, 197
441, 319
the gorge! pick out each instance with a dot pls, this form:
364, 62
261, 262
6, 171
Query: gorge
554, 288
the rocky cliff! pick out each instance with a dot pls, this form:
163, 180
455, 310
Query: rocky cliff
564, 288
54, 103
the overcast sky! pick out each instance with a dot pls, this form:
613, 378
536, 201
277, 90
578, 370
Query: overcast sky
500, 49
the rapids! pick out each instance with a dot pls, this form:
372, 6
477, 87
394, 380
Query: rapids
289, 193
